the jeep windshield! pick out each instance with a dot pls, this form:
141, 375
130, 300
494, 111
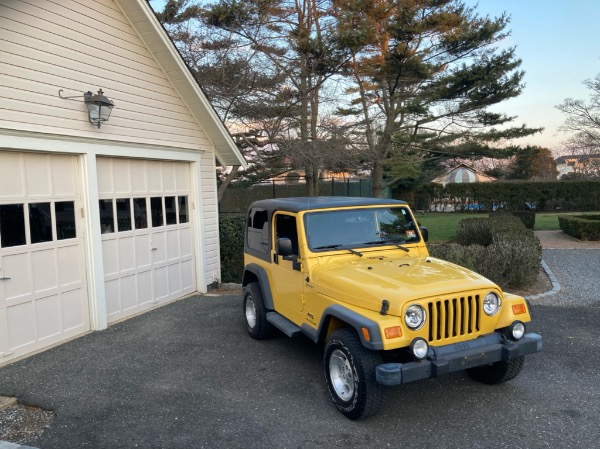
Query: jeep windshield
361, 227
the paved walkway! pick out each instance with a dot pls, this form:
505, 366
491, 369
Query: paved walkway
560, 240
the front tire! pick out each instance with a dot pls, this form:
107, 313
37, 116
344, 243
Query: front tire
498, 372
350, 375
255, 312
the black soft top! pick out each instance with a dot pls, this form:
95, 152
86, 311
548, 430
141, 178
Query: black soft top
302, 203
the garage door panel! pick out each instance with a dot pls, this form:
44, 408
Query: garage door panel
113, 303
187, 275
144, 287
63, 185
12, 176
142, 251
182, 178
73, 314
43, 264
154, 177
174, 273
185, 242
48, 317
38, 175
128, 292
160, 283
122, 178
16, 267
125, 253
138, 177
70, 265
21, 325
105, 177
168, 174
159, 247
110, 254
172, 248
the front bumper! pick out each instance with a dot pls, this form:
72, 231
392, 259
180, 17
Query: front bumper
441, 360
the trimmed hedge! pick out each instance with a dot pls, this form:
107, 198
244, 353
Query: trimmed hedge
231, 231
545, 196
500, 248
582, 227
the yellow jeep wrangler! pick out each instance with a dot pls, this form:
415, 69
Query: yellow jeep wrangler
355, 274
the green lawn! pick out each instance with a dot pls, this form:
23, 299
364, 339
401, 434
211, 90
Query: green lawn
442, 225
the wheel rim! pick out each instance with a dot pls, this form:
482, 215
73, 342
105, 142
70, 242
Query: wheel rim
250, 312
340, 373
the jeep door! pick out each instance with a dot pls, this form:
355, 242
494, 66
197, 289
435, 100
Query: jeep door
287, 282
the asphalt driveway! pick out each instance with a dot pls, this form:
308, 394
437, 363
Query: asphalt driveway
187, 376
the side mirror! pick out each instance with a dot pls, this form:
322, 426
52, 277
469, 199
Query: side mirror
424, 233
283, 247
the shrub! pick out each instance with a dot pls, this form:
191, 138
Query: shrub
499, 248
527, 217
582, 227
231, 231
473, 231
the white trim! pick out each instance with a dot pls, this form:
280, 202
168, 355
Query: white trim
64, 144
93, 244
198, 223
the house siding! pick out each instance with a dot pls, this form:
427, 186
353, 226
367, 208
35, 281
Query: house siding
210, 212
80, 46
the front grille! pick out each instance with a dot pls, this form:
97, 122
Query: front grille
450, 318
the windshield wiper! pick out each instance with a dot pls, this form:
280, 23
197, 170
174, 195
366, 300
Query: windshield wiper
353, 251
386, 242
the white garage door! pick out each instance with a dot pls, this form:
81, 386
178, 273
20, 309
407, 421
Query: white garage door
43, 293
147, 237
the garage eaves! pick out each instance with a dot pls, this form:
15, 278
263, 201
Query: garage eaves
143, 20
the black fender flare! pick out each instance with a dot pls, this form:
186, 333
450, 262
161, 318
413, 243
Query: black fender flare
354, 319
263, 281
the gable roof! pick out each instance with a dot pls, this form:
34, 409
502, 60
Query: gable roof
143, 20
463, 174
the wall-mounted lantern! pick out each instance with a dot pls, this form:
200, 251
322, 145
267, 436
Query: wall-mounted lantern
99, 107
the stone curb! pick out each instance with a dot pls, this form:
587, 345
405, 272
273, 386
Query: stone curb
7, 445
555, 284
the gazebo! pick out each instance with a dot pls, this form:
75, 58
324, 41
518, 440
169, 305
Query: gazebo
463, 174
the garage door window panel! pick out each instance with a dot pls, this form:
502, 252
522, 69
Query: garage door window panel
156, 209
140, 213
107, 216
64, 211
171, 210
12, 225
183, 209
40, 222
123, 214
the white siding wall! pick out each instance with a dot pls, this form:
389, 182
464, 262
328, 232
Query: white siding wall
79, 46
210, 214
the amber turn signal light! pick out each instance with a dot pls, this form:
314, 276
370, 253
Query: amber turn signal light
518, 309
365, 332
393, 332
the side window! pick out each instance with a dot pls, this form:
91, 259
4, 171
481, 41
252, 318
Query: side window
257, 232
285, 227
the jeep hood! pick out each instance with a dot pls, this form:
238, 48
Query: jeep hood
367, 281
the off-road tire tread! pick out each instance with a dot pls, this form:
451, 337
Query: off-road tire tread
365, 361
263, 328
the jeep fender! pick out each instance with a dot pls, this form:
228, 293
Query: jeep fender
263, 280
355, 320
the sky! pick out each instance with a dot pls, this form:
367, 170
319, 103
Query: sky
558, 42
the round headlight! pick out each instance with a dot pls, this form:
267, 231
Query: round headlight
517, 330
415, 317
491, 304
419, 348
